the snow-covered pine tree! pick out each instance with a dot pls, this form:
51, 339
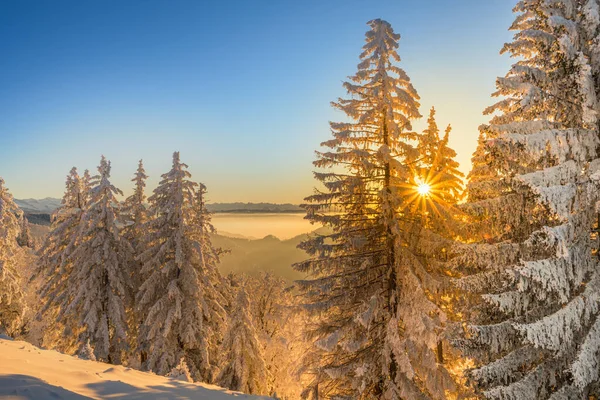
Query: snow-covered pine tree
428, 147
272, 301
442, 222
376, 331
174, 296
438, 171
54, 266
24, 239
556, 82
555, 39
534, 333
216, 293
134, 213
589, 40
99, 285
276, 318
12, 304
134, 207
181, 372
244, 367
86, 352
86, 187
534, 330
451, 179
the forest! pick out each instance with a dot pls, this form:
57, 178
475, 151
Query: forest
423, 284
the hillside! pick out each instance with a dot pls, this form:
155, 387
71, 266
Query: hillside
268, 254
28, 372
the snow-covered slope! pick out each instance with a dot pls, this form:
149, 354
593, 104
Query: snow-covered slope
27, 372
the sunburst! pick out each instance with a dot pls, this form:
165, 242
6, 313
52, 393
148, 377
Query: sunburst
425, 196
423, 189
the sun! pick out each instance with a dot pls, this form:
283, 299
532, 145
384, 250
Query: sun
423, 189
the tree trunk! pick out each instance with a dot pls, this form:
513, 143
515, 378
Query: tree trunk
390, 243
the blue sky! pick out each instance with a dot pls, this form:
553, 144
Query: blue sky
241, 88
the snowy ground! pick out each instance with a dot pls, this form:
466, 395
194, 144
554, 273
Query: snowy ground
27, 372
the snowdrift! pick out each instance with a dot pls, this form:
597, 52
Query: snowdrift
27, 372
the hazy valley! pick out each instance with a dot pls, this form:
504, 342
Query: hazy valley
256, 236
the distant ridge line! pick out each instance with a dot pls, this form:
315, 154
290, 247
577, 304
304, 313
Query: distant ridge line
49, 204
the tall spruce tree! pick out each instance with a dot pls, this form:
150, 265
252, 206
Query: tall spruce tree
99, 285
174, 296
24, 239
135, 216
442, 222
55, 265
553, 80
533, 330
428, 147
438, 171
276, 319
244, 367
86, 187
216, 291
134, 207
376, 331
12, 304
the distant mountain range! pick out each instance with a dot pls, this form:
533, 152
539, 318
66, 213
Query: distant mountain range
35, 206
49, 204
253, 208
